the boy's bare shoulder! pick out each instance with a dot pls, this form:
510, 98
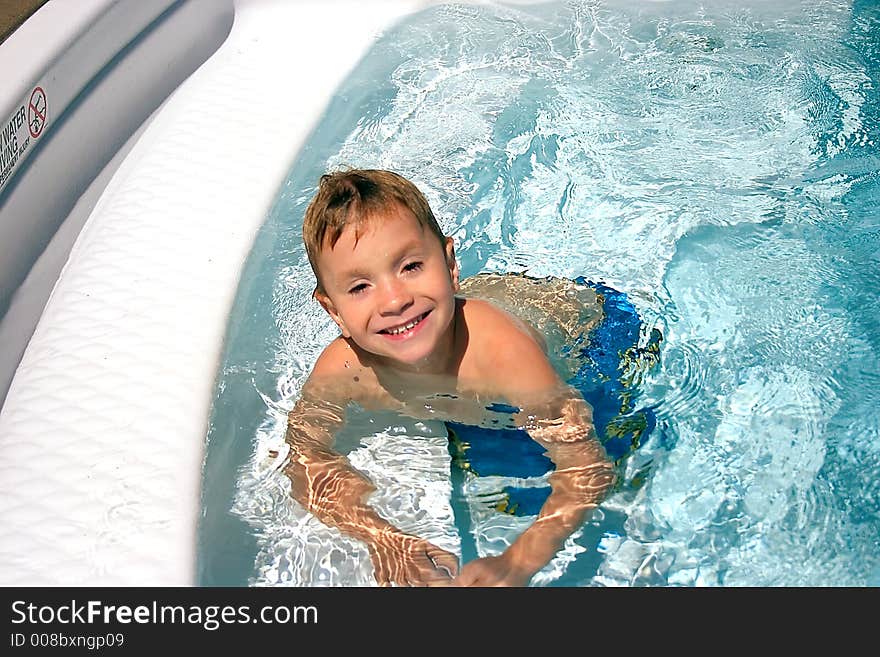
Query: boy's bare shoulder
506, 350
339, 373
337, 357
490, 325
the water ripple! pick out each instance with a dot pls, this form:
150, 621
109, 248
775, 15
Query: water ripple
683, 382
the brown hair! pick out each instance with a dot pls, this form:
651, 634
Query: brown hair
352, 197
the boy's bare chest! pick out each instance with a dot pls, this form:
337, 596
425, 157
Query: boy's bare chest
464, 396
446, 400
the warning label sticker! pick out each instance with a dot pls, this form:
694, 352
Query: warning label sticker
20, 131
37, 112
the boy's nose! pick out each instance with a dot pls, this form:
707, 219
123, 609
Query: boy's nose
395, 298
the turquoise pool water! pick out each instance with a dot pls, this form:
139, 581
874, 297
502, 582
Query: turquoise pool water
715, 161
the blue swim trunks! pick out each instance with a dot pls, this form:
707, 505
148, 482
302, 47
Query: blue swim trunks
606, 356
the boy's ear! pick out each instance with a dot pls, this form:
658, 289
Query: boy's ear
452, 263
327, 304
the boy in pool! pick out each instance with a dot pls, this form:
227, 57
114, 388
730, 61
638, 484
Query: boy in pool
389, 279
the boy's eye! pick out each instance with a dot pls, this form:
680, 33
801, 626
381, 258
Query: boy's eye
357, 289
413, 266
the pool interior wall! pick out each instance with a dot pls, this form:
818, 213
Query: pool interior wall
106, 67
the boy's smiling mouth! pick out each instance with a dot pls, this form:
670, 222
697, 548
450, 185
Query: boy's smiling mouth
406, 329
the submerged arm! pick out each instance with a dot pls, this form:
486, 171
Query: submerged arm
326, 484
582, 478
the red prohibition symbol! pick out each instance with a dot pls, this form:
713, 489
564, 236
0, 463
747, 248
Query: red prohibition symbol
37, 106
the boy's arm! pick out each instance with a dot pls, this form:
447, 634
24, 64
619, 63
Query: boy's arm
582, 478
558, 418
326, 484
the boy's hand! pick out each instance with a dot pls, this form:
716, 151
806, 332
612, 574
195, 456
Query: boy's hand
406, 560
493, 571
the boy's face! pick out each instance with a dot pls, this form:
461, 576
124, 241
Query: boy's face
392, 291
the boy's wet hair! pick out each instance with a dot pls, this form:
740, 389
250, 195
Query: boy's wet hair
351, 198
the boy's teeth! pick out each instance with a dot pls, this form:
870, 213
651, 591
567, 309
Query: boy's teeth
405, 327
